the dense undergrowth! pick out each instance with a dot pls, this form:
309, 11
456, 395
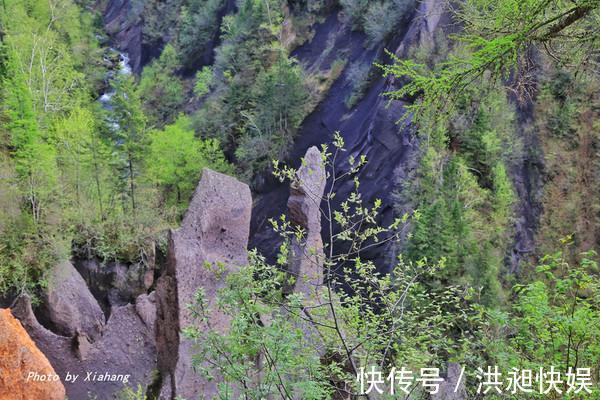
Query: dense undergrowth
78, 179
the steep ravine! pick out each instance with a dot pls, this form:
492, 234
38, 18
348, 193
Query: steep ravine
125, 293
121, 22
527, 180
369, 128
124, 23
127, 319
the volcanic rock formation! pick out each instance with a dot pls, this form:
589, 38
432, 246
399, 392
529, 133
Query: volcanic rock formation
69, 305
453, 387
214, 230
124, 351
304, 208
25, 372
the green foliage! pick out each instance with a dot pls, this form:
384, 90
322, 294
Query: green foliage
26, 252
568, 124
204, 81
359, 76
131, 394
448, 219
377, 18
279, 103
468, 134
463, 192
278, 341
561, 123
382, 18
462, 222
565, 92
44, 49
355, 10
555, 320
259, 95
494, 41
35, 159
74, 177
160, 90
79, 181
197, 29
462, 188
123, 236
503, 195
90, 155
160, 19
40, 46
128, 136
176, 159
313, 344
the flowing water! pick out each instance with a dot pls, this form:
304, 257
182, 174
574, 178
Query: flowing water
122, 67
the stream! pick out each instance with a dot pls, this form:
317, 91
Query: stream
122, 67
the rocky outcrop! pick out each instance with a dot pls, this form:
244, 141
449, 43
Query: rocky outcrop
430, 14
69, 305
527, 176
307, 257
25, 372
123, 22
369, 129
145, 307
448, 389
125, 353
115, 283
304, 209
104, 361
214, 230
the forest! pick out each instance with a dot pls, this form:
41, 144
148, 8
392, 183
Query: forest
455, 229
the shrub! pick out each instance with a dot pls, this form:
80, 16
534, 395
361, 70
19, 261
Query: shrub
383, 17
204, 81
160, 90
555, 320
176, 158
376, 18
359, 77
313, 345
280, 101
197, 28
355, 10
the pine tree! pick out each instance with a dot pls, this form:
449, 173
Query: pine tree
128, 131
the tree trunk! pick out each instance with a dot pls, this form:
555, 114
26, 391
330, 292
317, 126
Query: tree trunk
131, 182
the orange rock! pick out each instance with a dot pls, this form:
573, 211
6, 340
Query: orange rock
25, 373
